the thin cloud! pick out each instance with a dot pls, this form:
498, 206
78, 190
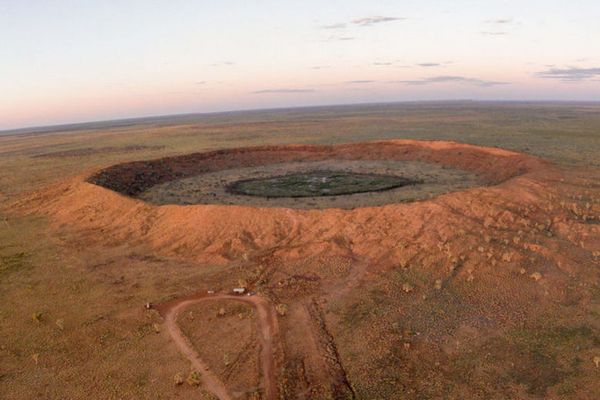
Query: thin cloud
429, 64
453, 79
497, 33
358, 82
358, 89
383, 63
200, 83
338, 38
334, 26
364, 21
570, 74
499, 21
378, 19
228, 63
320, 66
285, 90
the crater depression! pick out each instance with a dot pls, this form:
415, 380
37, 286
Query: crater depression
308, 177
334, 183
143, 202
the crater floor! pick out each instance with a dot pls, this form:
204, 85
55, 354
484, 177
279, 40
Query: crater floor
330, 183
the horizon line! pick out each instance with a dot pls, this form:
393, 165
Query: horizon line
127, 121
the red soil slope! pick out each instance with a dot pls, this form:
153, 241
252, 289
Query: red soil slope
519, 185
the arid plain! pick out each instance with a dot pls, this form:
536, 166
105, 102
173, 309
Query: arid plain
482, 284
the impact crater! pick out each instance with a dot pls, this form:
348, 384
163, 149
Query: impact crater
344, 176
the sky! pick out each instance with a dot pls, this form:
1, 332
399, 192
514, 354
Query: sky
74, 61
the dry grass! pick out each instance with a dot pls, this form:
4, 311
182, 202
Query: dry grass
73, 325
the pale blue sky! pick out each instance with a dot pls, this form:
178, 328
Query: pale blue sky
70, 61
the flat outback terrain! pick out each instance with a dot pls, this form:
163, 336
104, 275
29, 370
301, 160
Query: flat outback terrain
393, 251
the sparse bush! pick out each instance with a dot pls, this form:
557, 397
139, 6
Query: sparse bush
204, 395
255, 395
178, 379
281, 309
194, 378
536, 276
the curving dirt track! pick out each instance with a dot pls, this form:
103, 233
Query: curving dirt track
267, 326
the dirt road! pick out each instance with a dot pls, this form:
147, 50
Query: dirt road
267, 322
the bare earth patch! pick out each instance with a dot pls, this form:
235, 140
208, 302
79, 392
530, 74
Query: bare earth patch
224, 334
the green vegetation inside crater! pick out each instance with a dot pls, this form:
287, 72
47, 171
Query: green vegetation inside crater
317, 183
